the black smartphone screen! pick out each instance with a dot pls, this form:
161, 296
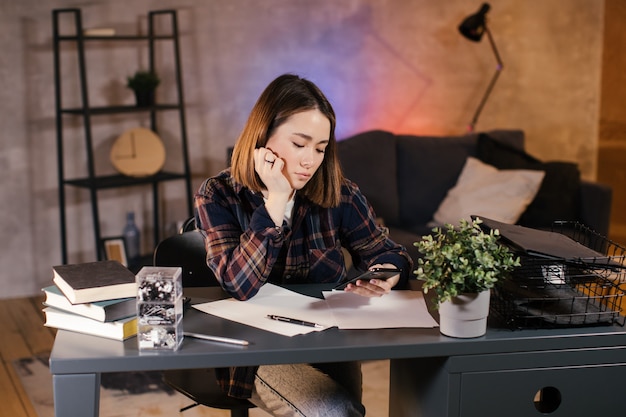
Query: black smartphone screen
376, 273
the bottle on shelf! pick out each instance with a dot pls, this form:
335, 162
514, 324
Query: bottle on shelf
131, 239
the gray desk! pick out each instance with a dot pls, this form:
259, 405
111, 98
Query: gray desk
431, 375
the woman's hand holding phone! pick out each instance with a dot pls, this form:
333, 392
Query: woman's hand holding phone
376, 282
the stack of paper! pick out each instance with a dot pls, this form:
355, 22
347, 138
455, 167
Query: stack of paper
339, 309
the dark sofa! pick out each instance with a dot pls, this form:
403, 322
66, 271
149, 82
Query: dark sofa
406, 177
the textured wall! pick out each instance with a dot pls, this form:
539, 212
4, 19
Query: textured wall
612, 136
392, 64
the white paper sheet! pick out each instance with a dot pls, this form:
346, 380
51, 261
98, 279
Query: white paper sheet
339, 308
272, 299
394, 310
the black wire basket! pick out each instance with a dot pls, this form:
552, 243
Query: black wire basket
547, 293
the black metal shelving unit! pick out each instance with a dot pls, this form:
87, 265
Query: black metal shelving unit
93, 181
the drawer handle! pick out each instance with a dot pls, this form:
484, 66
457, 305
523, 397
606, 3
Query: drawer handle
547, 400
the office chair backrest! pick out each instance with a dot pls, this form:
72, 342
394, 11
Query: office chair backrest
187, 251
188, 225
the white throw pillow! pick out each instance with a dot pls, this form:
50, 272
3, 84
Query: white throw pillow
486, 191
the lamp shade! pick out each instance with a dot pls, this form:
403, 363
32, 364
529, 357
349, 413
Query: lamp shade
473, 26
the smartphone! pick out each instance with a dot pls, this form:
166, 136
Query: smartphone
376, 273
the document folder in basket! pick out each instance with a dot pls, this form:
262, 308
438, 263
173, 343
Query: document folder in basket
547, 244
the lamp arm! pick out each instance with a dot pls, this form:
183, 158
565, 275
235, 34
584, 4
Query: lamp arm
493, 47
499, 68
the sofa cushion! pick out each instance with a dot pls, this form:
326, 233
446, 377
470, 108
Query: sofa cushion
369, 159
558, 196
407, 239
510, 138
427, 168
485, 191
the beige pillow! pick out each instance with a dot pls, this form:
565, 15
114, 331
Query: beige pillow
486, 191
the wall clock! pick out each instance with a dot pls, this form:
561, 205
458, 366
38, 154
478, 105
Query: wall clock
138, 152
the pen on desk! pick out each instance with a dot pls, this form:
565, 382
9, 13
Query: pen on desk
294, 321
217, 338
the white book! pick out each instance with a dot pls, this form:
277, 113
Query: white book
119, 330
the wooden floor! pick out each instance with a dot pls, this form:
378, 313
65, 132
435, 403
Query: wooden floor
22, 335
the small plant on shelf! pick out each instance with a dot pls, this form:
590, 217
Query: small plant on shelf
144, 83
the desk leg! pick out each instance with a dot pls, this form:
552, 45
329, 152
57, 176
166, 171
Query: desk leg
418, 388
76, 395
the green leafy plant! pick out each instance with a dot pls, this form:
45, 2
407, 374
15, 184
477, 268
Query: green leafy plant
143, 81
462, 260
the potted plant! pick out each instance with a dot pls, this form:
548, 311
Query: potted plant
461, 265
143, 84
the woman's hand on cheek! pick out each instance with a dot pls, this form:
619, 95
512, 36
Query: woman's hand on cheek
270, 168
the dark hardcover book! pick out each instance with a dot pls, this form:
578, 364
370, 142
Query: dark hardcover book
107, 310
94, 281
119, 330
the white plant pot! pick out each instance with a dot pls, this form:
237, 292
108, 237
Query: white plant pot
465, 316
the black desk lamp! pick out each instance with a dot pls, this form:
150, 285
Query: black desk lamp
473, 28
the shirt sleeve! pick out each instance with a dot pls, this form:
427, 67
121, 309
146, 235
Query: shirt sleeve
241, 248
368, 242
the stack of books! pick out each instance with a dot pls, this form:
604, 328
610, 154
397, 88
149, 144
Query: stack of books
97, 298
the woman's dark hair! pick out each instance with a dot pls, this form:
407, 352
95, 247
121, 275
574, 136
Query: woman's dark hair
282, 98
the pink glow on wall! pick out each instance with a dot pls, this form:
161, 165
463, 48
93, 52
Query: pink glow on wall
377, 100
371, 81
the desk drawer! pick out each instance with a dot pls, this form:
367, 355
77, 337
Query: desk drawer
574, 391
573, 382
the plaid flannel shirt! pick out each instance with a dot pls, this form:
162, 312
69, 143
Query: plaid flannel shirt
245, 249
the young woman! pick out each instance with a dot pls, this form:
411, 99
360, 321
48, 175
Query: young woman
282, 214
